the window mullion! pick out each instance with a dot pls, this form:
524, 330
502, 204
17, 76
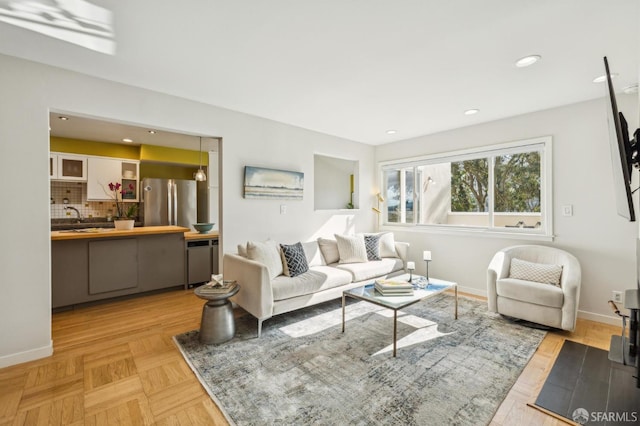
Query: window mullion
490, 191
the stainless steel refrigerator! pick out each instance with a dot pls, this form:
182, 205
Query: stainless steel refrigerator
170, 202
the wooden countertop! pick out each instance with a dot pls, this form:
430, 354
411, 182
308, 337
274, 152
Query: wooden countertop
192, 235
112, 232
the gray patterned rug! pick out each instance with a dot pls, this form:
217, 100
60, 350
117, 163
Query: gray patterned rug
303, 370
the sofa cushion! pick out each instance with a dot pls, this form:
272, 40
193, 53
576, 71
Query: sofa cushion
351, 248
372, 244
267, 253
329, 249
538, 272
313, 253
294, 259
315, 279
530, 292
371, 269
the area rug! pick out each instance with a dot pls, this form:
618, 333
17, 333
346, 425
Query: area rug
587, 388
304, 370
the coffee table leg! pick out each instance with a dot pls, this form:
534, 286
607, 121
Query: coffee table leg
456, 291
343, 312
395, 330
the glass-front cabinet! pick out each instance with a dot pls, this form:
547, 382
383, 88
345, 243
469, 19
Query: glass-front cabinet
67, 167
103, 171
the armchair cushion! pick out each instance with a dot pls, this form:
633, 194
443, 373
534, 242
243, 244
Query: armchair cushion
538, 272
530, 292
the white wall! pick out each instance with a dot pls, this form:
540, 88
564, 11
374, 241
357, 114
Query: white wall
29, 90
582, 176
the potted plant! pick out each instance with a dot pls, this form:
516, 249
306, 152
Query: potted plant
125, 212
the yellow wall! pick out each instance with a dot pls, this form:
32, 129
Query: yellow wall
160, 154
172, 155
103, 149
167, 171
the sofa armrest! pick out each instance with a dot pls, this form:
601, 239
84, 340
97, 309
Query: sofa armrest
403, 250
255, 295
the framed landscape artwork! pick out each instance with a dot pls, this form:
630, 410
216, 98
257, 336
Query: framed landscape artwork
273, 184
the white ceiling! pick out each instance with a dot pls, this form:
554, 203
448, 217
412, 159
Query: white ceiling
350, 68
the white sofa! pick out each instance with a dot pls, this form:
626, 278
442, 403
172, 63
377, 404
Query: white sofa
263, 296
528, 298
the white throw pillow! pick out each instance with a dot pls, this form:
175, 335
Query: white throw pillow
351, 248
267, 253
329, 249
387, 245
242, 250
537, 272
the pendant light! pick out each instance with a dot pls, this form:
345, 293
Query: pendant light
199, 175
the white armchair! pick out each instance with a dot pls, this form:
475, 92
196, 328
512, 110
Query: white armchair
551, 305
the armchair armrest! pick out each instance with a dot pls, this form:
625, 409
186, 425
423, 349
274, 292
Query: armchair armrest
497, 269
570, 284
255, 295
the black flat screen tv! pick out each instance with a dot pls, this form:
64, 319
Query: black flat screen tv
623, 154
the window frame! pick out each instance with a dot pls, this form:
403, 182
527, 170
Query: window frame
543, 144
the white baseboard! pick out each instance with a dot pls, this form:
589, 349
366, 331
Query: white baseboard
26, 356
600, 318
471, 290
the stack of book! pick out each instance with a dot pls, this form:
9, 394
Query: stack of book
217, 287
394, 288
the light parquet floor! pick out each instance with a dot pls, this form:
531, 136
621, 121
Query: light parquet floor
116, 363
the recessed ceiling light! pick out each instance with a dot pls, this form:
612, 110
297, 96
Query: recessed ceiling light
391, 132
603, 78
630, 90
63, 118
471, 111
127, 140
152, 132
527, 61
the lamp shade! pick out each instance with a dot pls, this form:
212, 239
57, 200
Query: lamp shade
200, 176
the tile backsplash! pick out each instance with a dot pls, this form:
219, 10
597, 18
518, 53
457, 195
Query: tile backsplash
76, 194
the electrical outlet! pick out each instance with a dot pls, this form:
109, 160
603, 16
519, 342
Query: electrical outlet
567, 210
283, 209
616, 296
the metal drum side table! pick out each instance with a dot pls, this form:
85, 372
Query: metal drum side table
217, 324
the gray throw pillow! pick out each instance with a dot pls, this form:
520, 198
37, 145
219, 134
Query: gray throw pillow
372, 243
295, 261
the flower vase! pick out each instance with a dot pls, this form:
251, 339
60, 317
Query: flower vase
123, 224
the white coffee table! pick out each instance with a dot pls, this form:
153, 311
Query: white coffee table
369, 294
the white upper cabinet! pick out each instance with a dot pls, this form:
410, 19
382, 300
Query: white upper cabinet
103, 171
68, 167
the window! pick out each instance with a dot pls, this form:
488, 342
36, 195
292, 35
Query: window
499, 188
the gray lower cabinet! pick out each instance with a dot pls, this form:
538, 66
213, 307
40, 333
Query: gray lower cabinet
87, 270
161, 261
113, 265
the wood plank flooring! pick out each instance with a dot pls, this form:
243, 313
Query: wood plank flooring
115, 363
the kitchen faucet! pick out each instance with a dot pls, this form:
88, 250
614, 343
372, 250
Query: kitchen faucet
74, 209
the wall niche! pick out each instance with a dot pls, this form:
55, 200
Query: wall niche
335, 183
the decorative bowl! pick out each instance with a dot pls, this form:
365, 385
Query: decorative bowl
203, 228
